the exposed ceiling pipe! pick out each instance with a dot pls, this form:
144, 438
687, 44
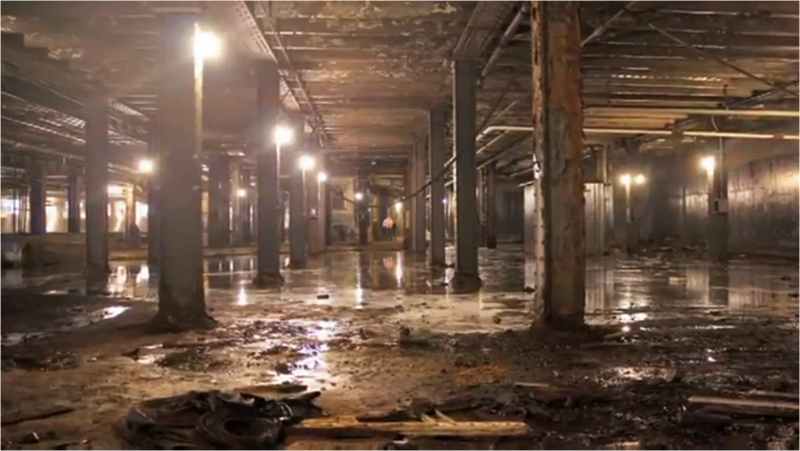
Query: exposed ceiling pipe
657, 132
667, 111
508, 35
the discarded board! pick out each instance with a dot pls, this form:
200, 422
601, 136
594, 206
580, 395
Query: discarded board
351, 427
21, 417
747, 407
777, 405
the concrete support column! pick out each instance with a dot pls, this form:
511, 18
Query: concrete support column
466, 212
73, 203
491, 206
328, 209
219, 201
298, 226
244, 218
235, 203
558, 144
269, 211
418, 202
37, 199
436, 137
97, 152
153, 204
718, 210
132, 232
181, 299
312, 212
408, 210
361, 210
480, 192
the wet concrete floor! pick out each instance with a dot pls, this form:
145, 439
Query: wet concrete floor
378, 329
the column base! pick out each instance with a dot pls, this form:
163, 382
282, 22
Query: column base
164, 322
465, 283
268, 281
297, 265
491, 242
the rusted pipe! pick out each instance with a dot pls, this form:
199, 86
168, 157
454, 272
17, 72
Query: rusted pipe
657, 132
667, 111
504, 40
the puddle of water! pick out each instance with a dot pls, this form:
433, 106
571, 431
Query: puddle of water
15, 338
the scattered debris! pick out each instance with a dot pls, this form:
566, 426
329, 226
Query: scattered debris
30, 438
285, 388
9, 419
208, 420
323, 296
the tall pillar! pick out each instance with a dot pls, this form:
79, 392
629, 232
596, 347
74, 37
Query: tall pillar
408, 185
297, 216
181, 300
153, 205
244, 218
38, 198
328, 208
481, 200
436, 136
362, 212
491, 206
269, 210
73, 203
219, 201
418, 203
132, 236
97, 152
312, 211
558, 144
466, 212
235, 203
718, 210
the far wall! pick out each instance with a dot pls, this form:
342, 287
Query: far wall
763, 198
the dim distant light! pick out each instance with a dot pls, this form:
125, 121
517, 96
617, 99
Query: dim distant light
359, 196
146, 166
241, 192
625, 179
306, 162
322, 177
398, 206
639, 179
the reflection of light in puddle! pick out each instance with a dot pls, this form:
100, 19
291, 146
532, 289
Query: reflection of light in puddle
113, 312
241, 299
359, 297
16, 338
626, 329
324, 330
626, 318
710, 357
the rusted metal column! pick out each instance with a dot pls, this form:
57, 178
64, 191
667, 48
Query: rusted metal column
418, 203
73, 202
298, 226
481, 199
219, 201
181, 300
37, 200
558, 143
491, 206
436, 136
408, 186
153, 203
464, 103
269, 211
718, 210
97, 152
